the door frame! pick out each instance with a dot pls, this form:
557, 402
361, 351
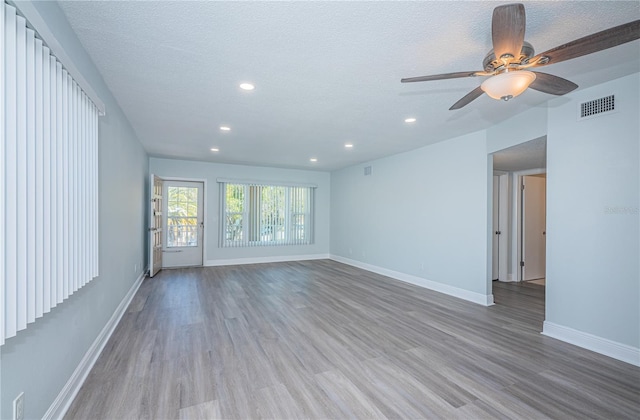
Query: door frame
516, 222
503, 225
204, 210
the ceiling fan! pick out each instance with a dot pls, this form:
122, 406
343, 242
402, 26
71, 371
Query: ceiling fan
508, 62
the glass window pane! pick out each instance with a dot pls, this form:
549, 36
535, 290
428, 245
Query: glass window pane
234, 227
182, 231
182, 216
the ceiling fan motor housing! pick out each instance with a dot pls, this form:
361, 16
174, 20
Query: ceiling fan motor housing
491, 63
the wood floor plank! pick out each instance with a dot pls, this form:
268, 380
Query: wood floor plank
348, 398
319, 339
275, 402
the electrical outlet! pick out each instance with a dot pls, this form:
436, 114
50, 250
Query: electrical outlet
18, 407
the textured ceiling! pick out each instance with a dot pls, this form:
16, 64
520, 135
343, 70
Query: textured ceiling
326, 73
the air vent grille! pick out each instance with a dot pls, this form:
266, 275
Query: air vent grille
597, 106
367, 170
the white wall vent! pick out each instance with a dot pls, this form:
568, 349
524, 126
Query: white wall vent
597, 107
367, 170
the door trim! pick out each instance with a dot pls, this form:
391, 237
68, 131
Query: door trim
205, 213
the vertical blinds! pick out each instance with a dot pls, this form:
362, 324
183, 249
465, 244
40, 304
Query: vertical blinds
263, 215
48, 179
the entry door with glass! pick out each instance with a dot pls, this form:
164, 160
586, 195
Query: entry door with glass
183, 224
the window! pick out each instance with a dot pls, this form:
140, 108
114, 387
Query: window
259, 215
48, 181
182, 216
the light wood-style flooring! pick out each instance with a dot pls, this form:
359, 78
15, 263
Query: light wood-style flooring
320, 339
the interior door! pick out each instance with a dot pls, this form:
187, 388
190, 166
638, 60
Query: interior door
155, 225
533, 227
183, 223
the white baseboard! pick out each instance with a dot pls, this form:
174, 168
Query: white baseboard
485, 300
592, 342
261, 260
63, 401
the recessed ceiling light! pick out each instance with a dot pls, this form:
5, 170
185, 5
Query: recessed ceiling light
410, 120
348, 145
247, 86
225, 128
313, 159
215, 149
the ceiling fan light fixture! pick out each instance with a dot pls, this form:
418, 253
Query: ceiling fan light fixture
507, 85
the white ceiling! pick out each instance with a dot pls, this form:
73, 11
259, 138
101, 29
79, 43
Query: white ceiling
326, 73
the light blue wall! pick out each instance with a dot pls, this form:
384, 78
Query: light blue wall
40, 359
526, 126
421, 213
212, 171
593, 179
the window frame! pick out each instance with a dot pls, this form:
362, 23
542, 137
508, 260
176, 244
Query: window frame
253, 218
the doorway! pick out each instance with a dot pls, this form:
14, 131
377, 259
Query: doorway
526, 159
182, 224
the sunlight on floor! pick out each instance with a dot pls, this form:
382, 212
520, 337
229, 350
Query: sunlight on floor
539, 281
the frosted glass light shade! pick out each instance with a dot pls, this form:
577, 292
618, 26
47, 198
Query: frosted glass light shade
508, 85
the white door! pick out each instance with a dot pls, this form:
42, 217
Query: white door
183, 223
155, 225
533, 227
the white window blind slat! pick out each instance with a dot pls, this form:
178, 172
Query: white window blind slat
38, 184
10, 152
48, 181
21, 171
2, 176
65, 186
30, 176
94, 190
59, 191
53, 181
73, 194
82, 134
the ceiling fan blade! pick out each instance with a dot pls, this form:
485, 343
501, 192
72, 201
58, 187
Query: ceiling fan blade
548, 83
468, 98
591, 43
507, 29
439, 76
